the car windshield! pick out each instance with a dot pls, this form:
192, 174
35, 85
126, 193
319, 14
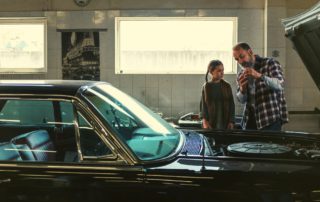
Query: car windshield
146, 133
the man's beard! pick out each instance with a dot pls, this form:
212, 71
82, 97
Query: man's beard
248, 64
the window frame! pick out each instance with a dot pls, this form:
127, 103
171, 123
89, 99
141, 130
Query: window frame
26, 21
80, 106
113, 156
119, 69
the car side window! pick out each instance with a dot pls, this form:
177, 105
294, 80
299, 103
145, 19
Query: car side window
27, 130
90, 142
45, 130
23, 112
67, 112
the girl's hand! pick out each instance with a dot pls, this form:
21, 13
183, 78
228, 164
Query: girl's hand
230, 126
205, 124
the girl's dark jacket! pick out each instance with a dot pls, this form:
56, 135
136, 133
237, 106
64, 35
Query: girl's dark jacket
208, 104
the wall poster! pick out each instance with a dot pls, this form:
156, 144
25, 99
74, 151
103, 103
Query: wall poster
23, 45
80, 55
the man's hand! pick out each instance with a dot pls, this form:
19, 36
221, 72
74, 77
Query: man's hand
243, 81
252, 72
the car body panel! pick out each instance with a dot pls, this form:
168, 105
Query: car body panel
76, 182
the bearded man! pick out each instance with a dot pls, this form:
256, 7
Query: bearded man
260, 87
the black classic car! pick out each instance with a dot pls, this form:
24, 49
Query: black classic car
88, 141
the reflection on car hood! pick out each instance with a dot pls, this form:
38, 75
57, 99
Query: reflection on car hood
304, 31
196, 144
211, 165
193, 144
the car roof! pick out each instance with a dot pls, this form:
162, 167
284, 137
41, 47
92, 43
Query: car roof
42, 87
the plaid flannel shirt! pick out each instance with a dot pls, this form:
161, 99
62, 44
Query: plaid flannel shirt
270, 104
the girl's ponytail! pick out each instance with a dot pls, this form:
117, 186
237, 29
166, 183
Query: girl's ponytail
212, 65
206, 79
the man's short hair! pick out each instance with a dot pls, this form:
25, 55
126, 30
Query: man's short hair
243, 46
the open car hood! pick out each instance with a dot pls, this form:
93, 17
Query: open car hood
304, 31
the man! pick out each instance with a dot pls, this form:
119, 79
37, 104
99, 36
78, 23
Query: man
260, 87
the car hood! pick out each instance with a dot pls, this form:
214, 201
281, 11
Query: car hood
304, 32
211, 164
245, 151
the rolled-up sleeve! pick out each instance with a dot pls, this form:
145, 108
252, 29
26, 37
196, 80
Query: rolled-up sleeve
274, 80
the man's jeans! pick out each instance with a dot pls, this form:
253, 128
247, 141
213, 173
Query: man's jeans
276, 126
251, 124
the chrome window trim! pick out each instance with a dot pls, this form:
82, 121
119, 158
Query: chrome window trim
102, 137
107, 134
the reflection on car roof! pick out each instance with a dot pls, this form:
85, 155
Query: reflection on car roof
65, 87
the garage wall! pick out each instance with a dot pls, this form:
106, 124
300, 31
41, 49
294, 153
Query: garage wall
69, 5
174, 95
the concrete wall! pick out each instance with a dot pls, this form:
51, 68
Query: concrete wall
69, 5
175, 95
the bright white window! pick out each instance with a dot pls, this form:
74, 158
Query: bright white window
23, 44
173, 45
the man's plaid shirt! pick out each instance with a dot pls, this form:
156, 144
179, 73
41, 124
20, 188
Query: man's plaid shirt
270, 105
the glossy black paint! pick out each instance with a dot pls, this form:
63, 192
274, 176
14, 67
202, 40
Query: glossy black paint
228, 178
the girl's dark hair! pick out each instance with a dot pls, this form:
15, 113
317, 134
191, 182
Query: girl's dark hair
212, 65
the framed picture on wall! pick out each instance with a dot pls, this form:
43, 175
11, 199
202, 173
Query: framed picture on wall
80, 55
23, 45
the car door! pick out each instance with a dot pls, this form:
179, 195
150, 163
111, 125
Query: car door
187, 179
75, 163
52, 182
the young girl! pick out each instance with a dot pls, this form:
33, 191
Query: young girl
218, 108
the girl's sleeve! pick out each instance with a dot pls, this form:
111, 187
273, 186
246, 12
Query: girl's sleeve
204, 108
